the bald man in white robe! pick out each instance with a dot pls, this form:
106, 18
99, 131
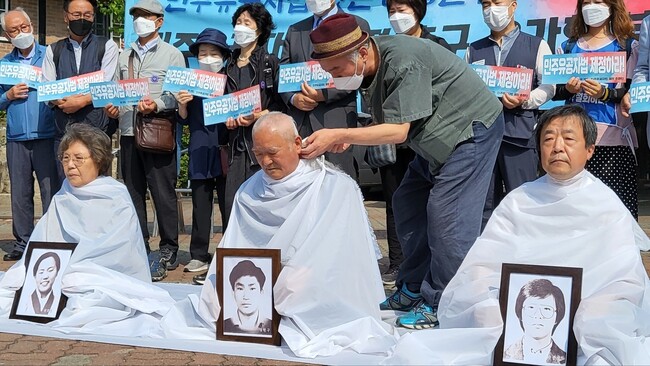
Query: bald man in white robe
329, 287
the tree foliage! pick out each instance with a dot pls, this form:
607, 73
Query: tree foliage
114, 8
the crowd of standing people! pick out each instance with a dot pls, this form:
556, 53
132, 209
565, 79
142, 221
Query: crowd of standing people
454, 162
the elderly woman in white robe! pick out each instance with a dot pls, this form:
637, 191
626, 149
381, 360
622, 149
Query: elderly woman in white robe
107, 281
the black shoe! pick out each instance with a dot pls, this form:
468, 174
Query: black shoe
199, 279
13, 256
170, 258
390, 276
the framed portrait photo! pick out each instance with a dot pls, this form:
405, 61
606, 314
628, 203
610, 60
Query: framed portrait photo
538, 304
40, 299
245, 280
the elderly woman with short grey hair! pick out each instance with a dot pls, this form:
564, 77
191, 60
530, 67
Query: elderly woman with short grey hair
107, 279
85, 153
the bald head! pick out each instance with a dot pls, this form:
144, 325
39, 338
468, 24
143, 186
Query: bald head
276, 144
277, 123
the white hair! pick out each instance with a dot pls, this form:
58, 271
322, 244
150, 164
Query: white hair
18, 9
352, 56
277, 122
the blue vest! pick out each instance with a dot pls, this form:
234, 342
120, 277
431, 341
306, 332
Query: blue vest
67, 67
520, 122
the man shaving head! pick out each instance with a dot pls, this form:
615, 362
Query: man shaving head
276, 144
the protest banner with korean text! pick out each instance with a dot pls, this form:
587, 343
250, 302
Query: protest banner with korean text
604, 67
119, 93
640, 97
241, 103
293, 75
60, 89
501, 80
197, 82
459, 22
12, 73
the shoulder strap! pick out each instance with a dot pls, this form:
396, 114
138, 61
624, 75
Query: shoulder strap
268, 71
568, 46
628, 47
131, 65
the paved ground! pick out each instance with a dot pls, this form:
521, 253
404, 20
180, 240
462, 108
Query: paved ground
26, 350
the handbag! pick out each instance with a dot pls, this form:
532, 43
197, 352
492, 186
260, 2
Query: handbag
155, 132
381, 155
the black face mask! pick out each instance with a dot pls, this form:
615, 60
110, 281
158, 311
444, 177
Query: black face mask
80, 27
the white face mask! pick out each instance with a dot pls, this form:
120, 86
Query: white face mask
496, 17
402, 22
350, 82
210, 63
244, 35
144, 27
595, 14
318, 7
23, 41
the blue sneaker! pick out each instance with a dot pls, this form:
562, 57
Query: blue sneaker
421, 317
401, 300
157, 266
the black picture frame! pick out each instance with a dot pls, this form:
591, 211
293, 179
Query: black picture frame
546, 302
24, 305
231, 262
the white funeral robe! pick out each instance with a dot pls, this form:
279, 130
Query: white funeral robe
107, 280
578, 223
329, 288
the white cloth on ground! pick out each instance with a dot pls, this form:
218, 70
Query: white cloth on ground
329, 288
107, 281
579, 223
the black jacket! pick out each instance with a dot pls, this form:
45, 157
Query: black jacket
439, 40
265, 67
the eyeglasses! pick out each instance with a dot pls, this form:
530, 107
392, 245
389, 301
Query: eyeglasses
24, 28
546, 312
78, 15
76, 160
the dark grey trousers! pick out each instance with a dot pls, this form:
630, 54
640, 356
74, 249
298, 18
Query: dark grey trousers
24, 158
438, 217
515, 166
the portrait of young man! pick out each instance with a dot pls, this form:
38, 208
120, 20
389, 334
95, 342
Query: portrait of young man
539, 308
247, 283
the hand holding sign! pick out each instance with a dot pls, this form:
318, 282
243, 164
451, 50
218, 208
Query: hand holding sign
231, 123
74, 103
574, 85
147, 106
311, 93
18, 91
245, 121
183, 97
303, 102
112, 111
511, 102
593, 88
